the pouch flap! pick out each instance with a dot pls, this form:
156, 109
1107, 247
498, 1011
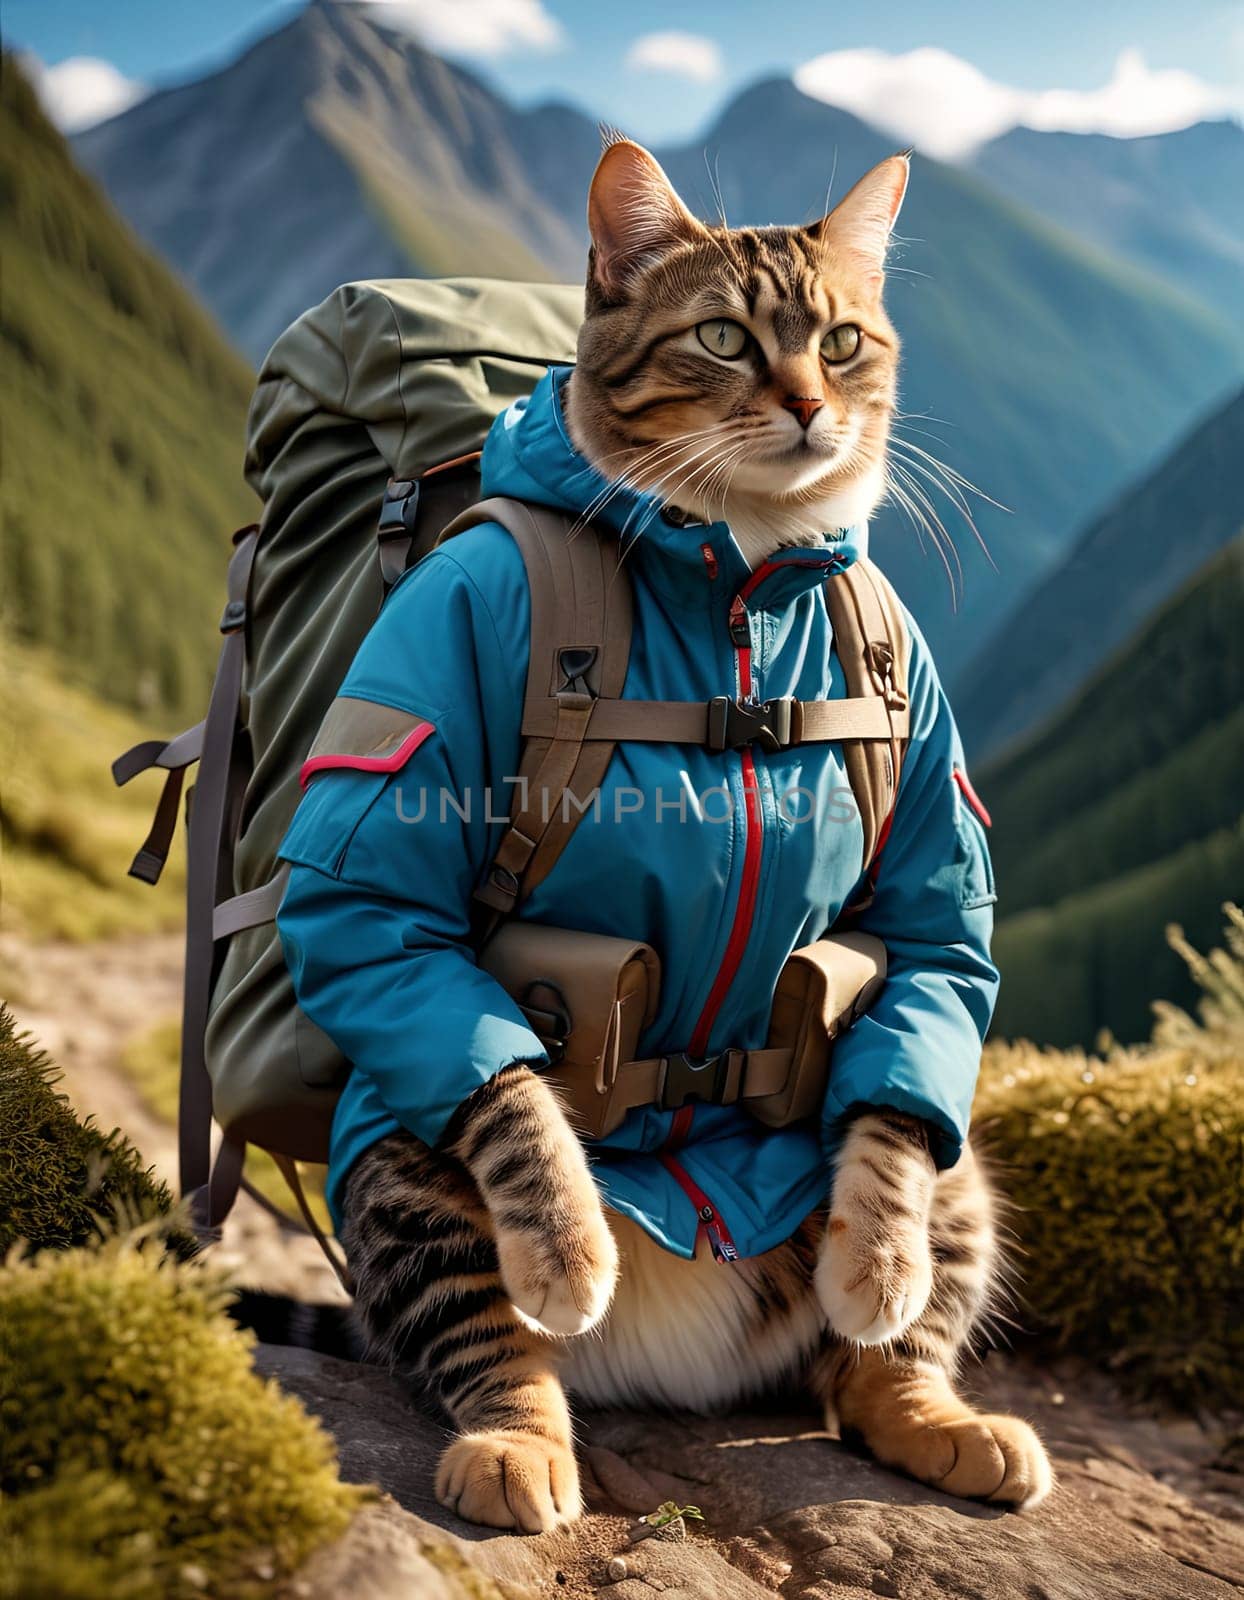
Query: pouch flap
364, 736
839, 976
606, 986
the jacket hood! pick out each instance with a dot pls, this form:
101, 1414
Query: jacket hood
528, 455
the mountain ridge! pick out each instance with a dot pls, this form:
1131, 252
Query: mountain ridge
419, 167
1158, 531
1172, 203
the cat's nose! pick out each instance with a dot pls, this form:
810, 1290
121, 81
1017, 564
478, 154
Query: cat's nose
803, 407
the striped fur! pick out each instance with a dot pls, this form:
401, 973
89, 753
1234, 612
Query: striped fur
719, 438
907, 1257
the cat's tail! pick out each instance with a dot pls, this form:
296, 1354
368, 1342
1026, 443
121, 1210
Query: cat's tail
278, 1319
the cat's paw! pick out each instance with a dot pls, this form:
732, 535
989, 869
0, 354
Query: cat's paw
996, 1458
556, 1255
510, 1480
875, 1270
872, 1287
560, 1271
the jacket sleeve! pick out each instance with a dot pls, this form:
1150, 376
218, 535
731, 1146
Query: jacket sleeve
917, 1050
385, 855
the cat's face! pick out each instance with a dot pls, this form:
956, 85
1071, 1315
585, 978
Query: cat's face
744, 373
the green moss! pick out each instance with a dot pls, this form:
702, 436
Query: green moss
61, 1180
140, 1455
1125, 1171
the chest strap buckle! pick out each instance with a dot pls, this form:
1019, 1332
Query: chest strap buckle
735, 723
716, 1081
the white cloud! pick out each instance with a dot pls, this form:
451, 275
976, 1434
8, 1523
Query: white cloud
948, 108
82, 91
686, 55
474, 27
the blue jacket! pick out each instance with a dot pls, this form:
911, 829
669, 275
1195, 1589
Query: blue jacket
724, 863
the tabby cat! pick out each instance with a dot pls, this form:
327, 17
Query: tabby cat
480, 1263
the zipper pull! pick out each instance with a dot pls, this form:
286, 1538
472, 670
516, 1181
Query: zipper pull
723, 1247
740, 627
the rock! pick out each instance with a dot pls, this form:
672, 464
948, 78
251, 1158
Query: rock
786, 1507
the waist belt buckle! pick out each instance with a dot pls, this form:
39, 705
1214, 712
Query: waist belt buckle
716, 1080
734, 723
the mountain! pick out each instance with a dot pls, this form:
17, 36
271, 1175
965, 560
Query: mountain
1149, 542
1172, 202
123, 414
1125, 812
1058, 371
337, 149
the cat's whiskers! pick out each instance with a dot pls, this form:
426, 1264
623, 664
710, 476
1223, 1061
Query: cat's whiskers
626, 480
907, 495
950, 481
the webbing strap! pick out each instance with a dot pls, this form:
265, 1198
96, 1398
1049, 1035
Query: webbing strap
206, 832
293, 1178
871, 642
580, 644
168, 753
174, 755
218, 1197
688, 721
252, 909
747, 1075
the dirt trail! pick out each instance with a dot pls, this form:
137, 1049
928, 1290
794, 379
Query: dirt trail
84, 1003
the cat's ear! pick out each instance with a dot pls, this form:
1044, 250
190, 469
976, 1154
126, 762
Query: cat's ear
861, 222
633, 215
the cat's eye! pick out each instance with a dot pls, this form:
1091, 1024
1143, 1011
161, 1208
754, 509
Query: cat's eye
840, 343
722, 337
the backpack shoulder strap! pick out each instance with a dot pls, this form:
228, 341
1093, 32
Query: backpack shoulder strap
581, 615
873, 644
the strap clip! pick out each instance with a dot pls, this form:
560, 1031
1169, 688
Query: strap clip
575, 663
735, 723
233, 617
396, 529
715, 1080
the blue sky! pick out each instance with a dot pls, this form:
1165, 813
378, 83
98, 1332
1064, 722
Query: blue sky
591, 52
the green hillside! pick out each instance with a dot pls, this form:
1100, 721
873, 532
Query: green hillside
122, 418
1161, 530
1123, 813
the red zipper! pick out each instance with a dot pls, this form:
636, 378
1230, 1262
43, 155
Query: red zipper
743, 912
745, 907
710, 1224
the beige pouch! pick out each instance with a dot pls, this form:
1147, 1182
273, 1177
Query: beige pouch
823, 988
588, 997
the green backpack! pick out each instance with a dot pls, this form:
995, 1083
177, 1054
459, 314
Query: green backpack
376, 404
381, 382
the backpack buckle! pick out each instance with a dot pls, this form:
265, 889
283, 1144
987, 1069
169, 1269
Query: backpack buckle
396, 529
575, 663
735, 723
715, 1080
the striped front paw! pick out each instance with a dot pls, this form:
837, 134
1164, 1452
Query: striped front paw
559, 1265
556, 1255
875, 1271
510, 1480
